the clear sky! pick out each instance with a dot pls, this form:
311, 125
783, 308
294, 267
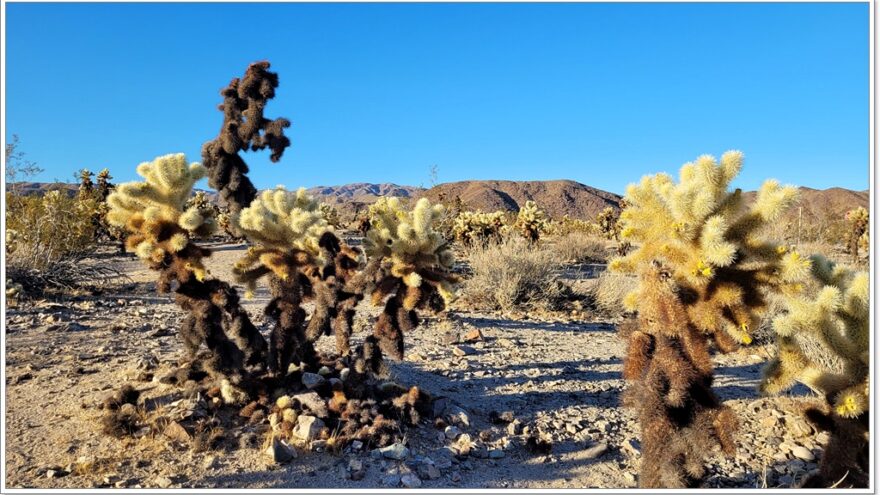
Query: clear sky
598, 93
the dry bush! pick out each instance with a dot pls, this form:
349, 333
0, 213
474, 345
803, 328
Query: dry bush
48, 239
609, 291
580, 247
512, 274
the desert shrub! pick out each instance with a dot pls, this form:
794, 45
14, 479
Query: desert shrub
832, 309
475, 228
609, 291
512, 274
703, 279
531, 222
579, 247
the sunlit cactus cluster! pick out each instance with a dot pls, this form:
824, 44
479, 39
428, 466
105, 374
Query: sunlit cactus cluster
531, 221
476, 228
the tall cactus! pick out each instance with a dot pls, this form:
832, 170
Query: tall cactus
161, 233
703, 274
833, 309
531, 221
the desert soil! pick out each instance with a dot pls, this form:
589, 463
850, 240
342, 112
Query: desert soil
558, 376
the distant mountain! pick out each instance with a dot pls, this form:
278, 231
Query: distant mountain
818, 206
362, 192
556, 197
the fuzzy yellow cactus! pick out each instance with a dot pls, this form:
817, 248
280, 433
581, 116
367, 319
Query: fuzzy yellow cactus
700, 232
285, 228
476, 227
833, 310
531, 221
408, 240
410, 260
154, 211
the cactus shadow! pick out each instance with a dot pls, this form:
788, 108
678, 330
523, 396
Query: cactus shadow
511, 324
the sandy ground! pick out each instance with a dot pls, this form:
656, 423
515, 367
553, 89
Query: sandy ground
558, 376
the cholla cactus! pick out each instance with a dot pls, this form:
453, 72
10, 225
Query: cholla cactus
833, 310
478, 228
160, 233
104, 184
86, 186
607, 223
410, 262
244, 128
12, 239
703, 274
331, 215
857, 233
531, 221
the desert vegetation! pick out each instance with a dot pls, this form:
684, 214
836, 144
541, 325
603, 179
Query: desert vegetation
465, 346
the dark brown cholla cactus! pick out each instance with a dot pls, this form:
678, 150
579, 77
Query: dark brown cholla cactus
105, 187
704, 274
244, 127
833, 310
409, 268
86, 186
857, 231
160, 233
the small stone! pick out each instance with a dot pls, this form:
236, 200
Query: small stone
410, 480
505, 343
632, 447
452, 432
357, 445
463, 350
312, 380
455, 477
308, 427
391, 480
786, 480
596, 450
324, 371
280, 452
396, 451
629, 478
515, 427
163, 482
769, 422
457, 415
474, 335
248, 440
313, 403
177, 433
496, 454
56, 473
802, 453
210, 462
428, 471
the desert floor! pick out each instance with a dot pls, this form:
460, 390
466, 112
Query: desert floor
558, 376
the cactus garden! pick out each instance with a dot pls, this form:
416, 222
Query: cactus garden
201, 313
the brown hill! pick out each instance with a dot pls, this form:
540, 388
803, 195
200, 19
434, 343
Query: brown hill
362, 192
820, 206
555, 197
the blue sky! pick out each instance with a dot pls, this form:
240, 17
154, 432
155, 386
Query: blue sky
598, 93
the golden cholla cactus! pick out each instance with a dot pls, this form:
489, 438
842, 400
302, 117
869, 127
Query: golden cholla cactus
285, 228
834, 311
410, 260
475, 227
607, 223
702, 275
160, 232
699, 231
531, 221
154, 212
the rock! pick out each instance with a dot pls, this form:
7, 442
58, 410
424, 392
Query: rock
463, 350
632, 447
506, 343
473, 335
357, 445
164, 482
595, 451
496, 454
56, 473
514, 427
308, 427
439, 406
500, 418
769, 422
800, 428
455, 477
280, 452
629, 478
802, 453
396, 451
452, 432
356, 470
457, 415
449, 338
428, 471
410, 480
312, 402
312, 380
177, 433
324, 371
248, 440
391, 480
210, 463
